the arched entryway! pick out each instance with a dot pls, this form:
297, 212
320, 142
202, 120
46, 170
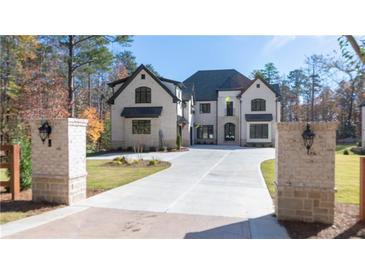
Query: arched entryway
229, 132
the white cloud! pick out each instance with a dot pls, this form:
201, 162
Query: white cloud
276, 43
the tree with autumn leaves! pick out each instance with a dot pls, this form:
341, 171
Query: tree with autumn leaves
95, 126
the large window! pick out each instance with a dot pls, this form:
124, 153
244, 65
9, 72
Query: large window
229, 132
143, 95
205, 132
258, 105
259, 131
141, 126
229, 106
204, 108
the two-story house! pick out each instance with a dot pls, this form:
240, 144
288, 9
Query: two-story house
149, 111
232, 109
210, 107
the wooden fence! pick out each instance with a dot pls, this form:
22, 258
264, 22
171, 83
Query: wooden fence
9, 158
362, 188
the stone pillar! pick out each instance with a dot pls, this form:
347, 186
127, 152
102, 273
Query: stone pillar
59, 170
305, 184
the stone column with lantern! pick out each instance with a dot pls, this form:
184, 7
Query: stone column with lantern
59, 160
305, 171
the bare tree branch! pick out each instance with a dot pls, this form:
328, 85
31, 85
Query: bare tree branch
356, 48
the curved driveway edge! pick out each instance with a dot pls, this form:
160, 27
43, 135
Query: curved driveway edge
208, 192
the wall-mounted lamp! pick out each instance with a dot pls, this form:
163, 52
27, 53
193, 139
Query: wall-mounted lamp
45, 131
308, 136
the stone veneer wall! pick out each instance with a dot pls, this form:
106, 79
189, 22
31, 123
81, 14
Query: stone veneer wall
59, 171
305, 184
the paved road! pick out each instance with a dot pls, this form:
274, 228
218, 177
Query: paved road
208, 192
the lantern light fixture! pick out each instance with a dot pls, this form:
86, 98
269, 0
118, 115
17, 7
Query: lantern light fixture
308, 137
44, 131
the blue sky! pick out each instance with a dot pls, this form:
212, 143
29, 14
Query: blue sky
177, 57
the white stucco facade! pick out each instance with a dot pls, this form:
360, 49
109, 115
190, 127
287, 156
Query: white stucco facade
229, 119
122, 135
259, 90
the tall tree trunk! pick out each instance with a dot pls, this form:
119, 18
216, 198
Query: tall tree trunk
89, 87
312, 97
71, 94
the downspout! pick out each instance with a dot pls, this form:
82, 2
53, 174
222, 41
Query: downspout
240, 122
216, 120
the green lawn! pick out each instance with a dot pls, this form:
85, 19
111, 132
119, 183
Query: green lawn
346, 175
101, 177
4, 174
104, 177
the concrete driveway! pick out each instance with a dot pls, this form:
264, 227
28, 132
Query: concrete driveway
208, 192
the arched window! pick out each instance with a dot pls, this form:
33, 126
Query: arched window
258, 105
229, 132
143, 95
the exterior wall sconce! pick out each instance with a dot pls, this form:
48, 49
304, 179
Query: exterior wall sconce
308, 136
45, 131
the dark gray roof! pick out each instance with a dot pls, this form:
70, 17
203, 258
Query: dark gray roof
205, 83
141, 112
258, 117
130, 79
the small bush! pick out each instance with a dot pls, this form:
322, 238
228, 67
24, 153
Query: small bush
120, 160
129, 149
25, 163
178, 141
153, 149
346, 152
169, 149
152, 162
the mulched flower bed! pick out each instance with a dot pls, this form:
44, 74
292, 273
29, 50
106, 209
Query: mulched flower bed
23, 207
125, 162
346, 226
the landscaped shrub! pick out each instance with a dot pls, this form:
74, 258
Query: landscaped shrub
152, 162
178, 141
346, 152
153, 149
25, 163
129, 149
169, 149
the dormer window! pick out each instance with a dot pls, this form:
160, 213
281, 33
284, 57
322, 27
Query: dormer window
143, 76
143, 95
258, 105
258, 85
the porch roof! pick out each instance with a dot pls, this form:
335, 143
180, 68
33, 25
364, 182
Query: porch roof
258, 117
141, 112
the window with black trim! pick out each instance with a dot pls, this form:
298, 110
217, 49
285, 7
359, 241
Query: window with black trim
258, 105
143, 95
229, 107
141, 126
205, 132
143, 76
258, 85
259, 131
204, 108
229, 132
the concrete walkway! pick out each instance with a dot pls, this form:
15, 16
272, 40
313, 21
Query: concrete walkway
208, 192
